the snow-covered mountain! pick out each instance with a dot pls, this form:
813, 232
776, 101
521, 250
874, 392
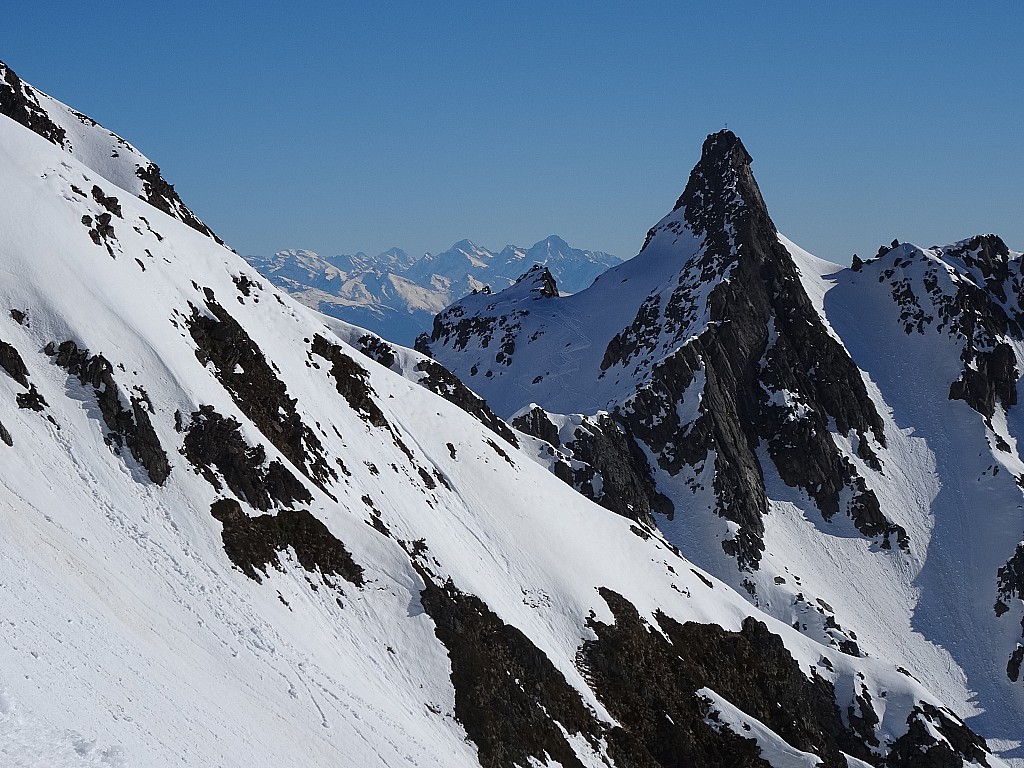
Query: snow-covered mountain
106, 153
239, 533
840, 445
396, 295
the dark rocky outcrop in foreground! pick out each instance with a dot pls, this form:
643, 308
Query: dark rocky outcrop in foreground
649, 682
130, 427
13, 365
254, 543
257, 390
514, 704
213, 442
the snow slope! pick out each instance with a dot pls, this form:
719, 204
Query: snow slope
103, 151
232, 539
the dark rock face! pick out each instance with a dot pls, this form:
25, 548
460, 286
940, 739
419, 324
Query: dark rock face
257, 391
161, 195
101, 231
351, 380
254, 543
508, 694
19, 102
130, 427
1010, 582
514, 704
772, 373
31, 400
603, 463
110, 203
536, 422
377, 349
1012, 666
983, 309
11, 362
650, 684
6, 436
453, 329
546, 286
919, 749
213, 442
1010, 585
983, 315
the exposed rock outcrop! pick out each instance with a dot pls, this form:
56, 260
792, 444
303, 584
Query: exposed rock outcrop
255, 543
129, 427
257, 390
603, 462
213, 442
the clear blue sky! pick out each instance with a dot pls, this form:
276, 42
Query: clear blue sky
358, 126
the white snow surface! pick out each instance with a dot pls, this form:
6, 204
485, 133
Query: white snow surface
129, 639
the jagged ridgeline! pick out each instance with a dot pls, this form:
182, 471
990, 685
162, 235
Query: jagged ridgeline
839, 444
735, 332
239, 533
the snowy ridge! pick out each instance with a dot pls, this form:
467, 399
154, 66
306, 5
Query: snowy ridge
222, 520
103, 151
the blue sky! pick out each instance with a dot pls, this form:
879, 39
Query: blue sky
358, 126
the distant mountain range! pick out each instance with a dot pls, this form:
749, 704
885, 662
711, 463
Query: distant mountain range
397, 295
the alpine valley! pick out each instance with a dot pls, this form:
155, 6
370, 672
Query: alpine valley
396, 295
237, 532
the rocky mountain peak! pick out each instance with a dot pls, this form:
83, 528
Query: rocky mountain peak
540, 281
723, 171
721, 194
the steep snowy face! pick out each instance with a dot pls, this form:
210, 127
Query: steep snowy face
397, 296
820, 438
952, 315
723, 353
104, 152
238, 533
